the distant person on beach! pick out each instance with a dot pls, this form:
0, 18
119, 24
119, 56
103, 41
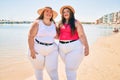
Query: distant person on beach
43, 52
73, 45
116, 30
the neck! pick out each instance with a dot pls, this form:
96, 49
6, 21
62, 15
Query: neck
46, 21
66, 21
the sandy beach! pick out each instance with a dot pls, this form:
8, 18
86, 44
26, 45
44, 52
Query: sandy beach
103, 63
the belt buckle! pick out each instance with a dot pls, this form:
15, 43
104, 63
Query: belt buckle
69, 41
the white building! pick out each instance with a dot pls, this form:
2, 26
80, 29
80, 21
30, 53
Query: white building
110, 18
105, 19
118, 19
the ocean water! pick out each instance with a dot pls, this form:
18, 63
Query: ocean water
13, 37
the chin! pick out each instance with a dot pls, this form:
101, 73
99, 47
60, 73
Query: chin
48, 17
66, 18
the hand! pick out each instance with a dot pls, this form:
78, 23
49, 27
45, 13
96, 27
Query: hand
86, 51
33, 54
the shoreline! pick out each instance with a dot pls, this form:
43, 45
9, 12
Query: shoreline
110, 25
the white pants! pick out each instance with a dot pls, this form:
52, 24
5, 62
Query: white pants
72, 54
47, 56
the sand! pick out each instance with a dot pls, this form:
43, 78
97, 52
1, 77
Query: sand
103, 63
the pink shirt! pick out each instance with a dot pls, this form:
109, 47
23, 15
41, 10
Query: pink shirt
66, 34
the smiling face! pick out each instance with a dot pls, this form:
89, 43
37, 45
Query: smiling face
66, 13
48, 13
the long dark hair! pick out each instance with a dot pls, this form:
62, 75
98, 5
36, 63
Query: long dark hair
71, 21
42, 15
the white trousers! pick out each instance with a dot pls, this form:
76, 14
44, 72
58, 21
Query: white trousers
47, 56
72, 54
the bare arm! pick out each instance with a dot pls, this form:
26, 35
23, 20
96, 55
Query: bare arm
56, 37
58, 30
31, 35
82, 36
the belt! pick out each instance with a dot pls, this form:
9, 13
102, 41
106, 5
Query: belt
47, 44
67, 41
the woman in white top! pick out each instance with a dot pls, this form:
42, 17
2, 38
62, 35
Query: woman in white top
43, 51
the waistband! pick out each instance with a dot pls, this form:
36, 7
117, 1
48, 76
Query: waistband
47, 44
67, 41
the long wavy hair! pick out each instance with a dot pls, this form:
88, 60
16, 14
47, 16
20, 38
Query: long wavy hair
71, 21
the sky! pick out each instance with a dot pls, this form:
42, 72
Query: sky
85, 10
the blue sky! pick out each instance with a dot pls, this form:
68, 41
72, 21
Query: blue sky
86, 10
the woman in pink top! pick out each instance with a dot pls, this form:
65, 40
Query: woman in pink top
73, 45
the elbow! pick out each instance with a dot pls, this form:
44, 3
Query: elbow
81, 36
30, 37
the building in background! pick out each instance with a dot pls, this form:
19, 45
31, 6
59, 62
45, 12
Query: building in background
112, 18
118, 19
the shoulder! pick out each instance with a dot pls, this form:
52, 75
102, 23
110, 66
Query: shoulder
53, 22
78, 23
35, 24
60, 24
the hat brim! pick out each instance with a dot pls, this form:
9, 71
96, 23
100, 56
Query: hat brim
41, 10
69, 7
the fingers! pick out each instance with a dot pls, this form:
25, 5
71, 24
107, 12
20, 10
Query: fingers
33, 56
86, 52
